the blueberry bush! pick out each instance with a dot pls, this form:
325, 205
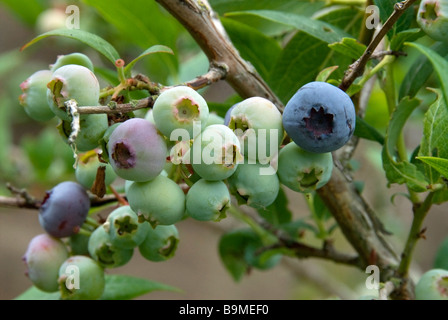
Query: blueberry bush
130, 140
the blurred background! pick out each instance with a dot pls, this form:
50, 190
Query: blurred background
33, 156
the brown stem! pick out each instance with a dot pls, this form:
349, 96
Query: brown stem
20, 202
217, 72
357, 68
207, 30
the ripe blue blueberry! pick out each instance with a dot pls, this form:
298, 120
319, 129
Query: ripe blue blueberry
160, 243
319, 117
136, 150
81, 278
64, 209
34, 96
104, 252
208, 200
256, 185
42, 258
303, 171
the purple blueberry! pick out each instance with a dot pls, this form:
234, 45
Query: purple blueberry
136, 150
319, 117
64, 209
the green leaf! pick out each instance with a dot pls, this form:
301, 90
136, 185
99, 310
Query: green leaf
441, 259
299, 63
270, 28
349, 47
40, 150
92, 40
28, 15
122, 287
118, 287
35, 294
319, 29
368, 132
326, 73
9, 61
435, 134
238, 251
405, 36
347, 18
297, 227
254, 46
439, 164
440, 66
304, 7
403, 171
154, 49
278, 212
420, 71
144, 23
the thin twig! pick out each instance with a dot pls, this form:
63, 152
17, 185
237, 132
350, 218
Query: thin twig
216, 72
31, 203
114, 108
302, 250
357, 68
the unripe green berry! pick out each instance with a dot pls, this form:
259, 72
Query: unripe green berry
303, 171
432, 17
256, 185
215, 153
208, 200
159, 201
104, 252
77, 58
124, 229
160, 243
87, 169
433, 285
72, 82
178, 108
92, 129
34, 97
81, 278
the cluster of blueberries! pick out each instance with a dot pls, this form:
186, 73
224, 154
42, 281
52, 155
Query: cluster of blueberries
178, 161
